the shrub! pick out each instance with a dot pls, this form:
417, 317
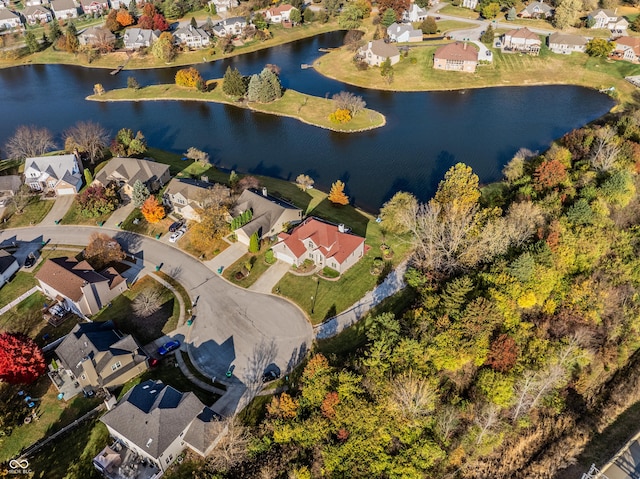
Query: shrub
341, 115
268, 257
330, 272
189, 77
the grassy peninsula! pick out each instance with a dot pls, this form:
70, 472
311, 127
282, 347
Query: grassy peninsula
305, 108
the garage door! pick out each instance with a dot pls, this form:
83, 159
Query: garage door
66, 191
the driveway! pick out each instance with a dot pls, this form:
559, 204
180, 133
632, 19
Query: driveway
226, 258
473, 35
270, 277
119, 215
235, 330
59, 209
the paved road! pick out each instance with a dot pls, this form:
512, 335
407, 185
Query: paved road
235, 329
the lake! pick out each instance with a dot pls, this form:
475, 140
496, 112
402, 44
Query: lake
425, 134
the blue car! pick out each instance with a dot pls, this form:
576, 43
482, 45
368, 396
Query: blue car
167, 347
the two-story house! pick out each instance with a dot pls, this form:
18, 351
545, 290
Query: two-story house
278, 14
403, 33
9, 20
223, 6
230, 27
627, 48
605, 18
192, 37
97, 35
537, 10
186, 196
94, 7
8, 266
61, 174
37, 14
521, 40
415, 13
64, 9
136, 38
376, 52
124, 172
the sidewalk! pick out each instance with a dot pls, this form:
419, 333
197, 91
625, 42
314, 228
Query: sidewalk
18, 300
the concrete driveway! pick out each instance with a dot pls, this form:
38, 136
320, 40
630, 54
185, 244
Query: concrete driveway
119, 215
235, 330
59, 209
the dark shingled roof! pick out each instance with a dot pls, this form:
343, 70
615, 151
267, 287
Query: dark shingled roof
266, 211
6, 260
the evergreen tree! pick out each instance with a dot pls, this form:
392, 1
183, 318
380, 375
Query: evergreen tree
272, 89
193, 22
511, 15
88, 177
133, 9
309, 16
32, 42
140, 193
295, 16
253, 91
388, 17
429, 26
71, 37
454, 298
233, 84
488, 36
54, 31
254, 243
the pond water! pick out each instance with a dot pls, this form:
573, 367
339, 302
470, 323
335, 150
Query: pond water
425, 134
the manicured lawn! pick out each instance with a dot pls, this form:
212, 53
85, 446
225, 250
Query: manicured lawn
258, 267
53, 415
459, 12
144, 227
144, 329
186, 299
75, 217
33, 214
20, 283
445, 26
306, 108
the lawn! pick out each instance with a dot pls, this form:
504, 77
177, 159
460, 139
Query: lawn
306, 108
53, 415
445, 26
258, 267
460, 12
148, 328
33, 214
20, 283
144, 227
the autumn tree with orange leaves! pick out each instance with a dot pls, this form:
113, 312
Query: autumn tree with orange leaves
124, 18
337, 195
152, 210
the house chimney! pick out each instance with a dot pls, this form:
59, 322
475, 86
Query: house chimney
341, 228
464, 46
264, 191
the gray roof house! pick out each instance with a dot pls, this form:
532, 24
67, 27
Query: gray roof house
402, 33
192, 37
154, 421
35, 14
9, 20
9, 186
415, 14
96, 35
98, 355
63, 9
8, 266
185, 195
609, 19
61, 174
566, 43
135, 38
270, 215
230, 26
376, 52
126, 171
537, 10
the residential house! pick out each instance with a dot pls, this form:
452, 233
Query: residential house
9, 20
8, 267
37, 14
124, 172
415, 14
325, 244
64, 9
155, 421
403, 33
116, 4
278, 14
604, 18
456, 56
97, 355
376, 52
96, 36
230, 26
521, 40
471, 4
192, 37
61, 174
136, 38
537, 10
627, 48
9, 186
270, 215
223, 6
94, 7
566, 43
78, 287
185, 196
32, 3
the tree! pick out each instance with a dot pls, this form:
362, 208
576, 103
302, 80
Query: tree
54, 31
32, 42
605, 149
351, 17
125, 144
386, 70
147, 302
260, 22
140, 193
488, 36
21, 359
304, 182
233, 83
232, 448
124, 18
152, 211
348, 101
197, 155
295, 16
254, 243
394, 213
88, 137
429, 26
160, 23
163, 48
132, 83
398, 6
388, 17
22, 198
566, 13
29, 141
213, 225
71, 42
96, 200
189, 77
337, 195
103, 250
635, 26
248, 182
549, 174
111, 22
512, 14
331, 7
490, 10
309, 15
265, 87
133, 8
98, 89
599, 47
193, 22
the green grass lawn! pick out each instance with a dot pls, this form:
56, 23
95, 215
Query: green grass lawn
20, 283
33, 214
144, 227
445, 26
75, 217
258, 267
144, 329
459, 12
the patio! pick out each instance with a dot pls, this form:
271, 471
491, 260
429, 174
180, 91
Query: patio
66, 384
119, 462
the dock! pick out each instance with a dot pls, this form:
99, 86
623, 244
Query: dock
117, 70
304, 66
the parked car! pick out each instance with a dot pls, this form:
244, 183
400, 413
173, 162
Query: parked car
167, 347
30, 261
177, 235
176, 226
269, 376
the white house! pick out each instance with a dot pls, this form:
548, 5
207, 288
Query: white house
8, 267
609, 19
64, 9
537, 10
135, 38
94, 7
522, 40
376, 52
472, 4
403, 33
627, 48
58, 173
36, 14
278, 14
566, 43
230, 26
187, 196
223, 6
415, 14
192, 37
9, 20
31, 3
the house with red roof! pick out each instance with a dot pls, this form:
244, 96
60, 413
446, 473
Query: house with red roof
627, 48
278, 14
323, 243
456, 56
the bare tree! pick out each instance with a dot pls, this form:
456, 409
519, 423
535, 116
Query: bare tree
147, 302
215, 196
231, 449
605, 149
304, 182
447, 420
413, 396
22, 198
522, 221
348, 101
29, 141
515, 168
486, 419
87, 137
197, 155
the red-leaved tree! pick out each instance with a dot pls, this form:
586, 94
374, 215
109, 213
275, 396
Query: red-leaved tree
21, 359
503, 353
160, 23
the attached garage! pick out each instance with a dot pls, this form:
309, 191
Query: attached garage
66, 191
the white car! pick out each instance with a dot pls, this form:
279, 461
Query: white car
177, 235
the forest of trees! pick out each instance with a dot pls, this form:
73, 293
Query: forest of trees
521, 343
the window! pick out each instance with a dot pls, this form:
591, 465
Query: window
167, 460
116, 366
35, 185
52, 184
83, 377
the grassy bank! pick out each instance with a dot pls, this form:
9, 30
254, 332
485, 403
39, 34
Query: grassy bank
305, 108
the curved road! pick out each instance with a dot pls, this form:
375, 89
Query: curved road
235, 329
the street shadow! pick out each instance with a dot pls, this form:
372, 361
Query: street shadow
263, 355
297, 355
175, 272
130, 242
214, 359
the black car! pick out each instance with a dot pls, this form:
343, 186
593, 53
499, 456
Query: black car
30, 261
175, 226
270, 376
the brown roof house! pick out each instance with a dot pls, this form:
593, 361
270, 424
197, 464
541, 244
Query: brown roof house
124, 172
521, 40
152, 424
97, 355
269, 215
566, 43
456, 56
36, 14
61, 174
323, 243
185, 196
537, 10
96, 35
627, 48
376, 52
78, 287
